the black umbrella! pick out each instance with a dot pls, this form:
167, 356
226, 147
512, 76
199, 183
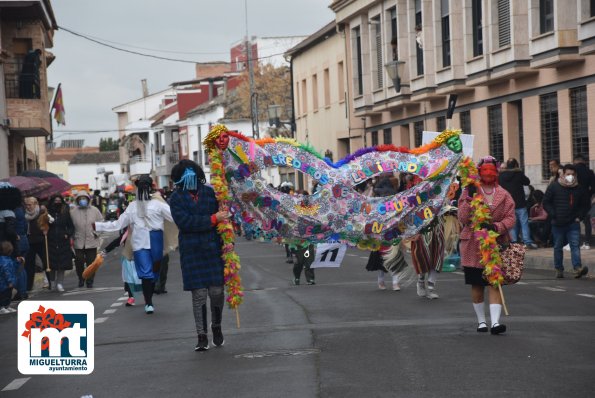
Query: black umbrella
38, 173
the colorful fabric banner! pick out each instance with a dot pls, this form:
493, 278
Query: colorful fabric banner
58, 107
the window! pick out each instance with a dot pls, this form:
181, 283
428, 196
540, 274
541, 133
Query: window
374, 138
393, 32
357, 67
418, 129
466, 122
496, 136
341, 78
419, 52
546, 16
592, 11
327, 88
519, 109
578, 116
503, 23
315, 92
304, 97
206, 157
195, 156
377, 52
477, 29
550, 133
445, 34
297, 95
388, 136
441, 123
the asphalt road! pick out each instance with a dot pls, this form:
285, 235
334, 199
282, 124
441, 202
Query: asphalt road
340, 338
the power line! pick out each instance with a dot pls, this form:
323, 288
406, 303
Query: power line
105, 44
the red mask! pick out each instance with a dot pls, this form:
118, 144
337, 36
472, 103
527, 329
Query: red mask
488, 173
222, 141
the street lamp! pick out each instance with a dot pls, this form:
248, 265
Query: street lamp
274, 112
395, 71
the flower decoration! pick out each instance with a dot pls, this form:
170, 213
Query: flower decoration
43, 319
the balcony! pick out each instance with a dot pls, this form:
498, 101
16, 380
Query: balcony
140, 165
165, 162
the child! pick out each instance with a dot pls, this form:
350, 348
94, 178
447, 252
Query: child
7, 276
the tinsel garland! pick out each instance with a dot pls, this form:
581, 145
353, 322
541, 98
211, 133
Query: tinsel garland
488, 244
233, 283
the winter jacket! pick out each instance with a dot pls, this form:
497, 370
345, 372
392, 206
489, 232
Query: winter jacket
34, 235
564, 205
7, 275
8, 227
513, 181
22, 227
83, 219
61, 230
585, 178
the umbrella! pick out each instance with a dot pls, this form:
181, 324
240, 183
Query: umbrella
38, 173
57, 187
29, 186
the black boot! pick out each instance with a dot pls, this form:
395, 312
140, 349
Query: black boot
216, 317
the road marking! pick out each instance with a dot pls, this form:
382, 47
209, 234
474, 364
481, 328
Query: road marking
552, 289
586, 295
123, 298
365, 258
16, 384
458, 273
94, 290
101, 320
352, 255
521, 283
116, 304
107, 312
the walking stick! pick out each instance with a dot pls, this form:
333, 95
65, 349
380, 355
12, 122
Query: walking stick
503, 301
47, 254
237, 318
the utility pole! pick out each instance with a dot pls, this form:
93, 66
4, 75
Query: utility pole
253, 95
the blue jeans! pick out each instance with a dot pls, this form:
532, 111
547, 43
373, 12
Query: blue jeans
522, 223
572, 234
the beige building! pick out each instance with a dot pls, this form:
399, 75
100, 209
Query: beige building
320, 104
25, 26
523, 70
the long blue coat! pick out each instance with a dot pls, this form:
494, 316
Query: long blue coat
200, 244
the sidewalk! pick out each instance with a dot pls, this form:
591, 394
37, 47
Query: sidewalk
544, 259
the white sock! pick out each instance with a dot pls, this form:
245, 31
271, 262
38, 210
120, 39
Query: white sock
495, 310
395, 279
480, 312
432, 277
380, 276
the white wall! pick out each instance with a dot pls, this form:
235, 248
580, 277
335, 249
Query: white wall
144, 108
86, 173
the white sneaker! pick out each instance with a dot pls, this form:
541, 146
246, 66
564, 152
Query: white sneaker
585, 246
396, 286
431, 294
381, 285
421, 289
567, 247
4, 311
60, 287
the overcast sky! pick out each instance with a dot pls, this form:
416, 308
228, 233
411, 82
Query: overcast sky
96, 78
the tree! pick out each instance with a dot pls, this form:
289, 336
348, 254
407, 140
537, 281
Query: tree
273, 87
108, 144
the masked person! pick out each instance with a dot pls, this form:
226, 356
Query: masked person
195, 210
501, 207
86, 241
147, 217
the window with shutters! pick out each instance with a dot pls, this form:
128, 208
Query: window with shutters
388, 136
546, 16
341, 77
327, 88
550, 132
419, 52
445, 33
592, 10
418, 130
441, 123
496, 135
466, 122
476, 28
357, 62
393, 32
304, 97
578, 116
315, 93
374, 138
503, 23
377, 52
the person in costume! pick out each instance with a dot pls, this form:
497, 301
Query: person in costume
195, 211
428, 251
501, 207
147, 217
132, 283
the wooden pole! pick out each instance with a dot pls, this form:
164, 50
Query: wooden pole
237, 318
503, 301
47, 254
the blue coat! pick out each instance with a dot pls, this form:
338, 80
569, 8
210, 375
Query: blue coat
200, 244
7, 274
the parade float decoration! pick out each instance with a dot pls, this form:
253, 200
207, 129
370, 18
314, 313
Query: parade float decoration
336, 212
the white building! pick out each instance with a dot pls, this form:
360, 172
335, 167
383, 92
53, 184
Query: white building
94, 169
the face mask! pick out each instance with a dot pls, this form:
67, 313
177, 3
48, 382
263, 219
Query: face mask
83, 202
569, 179
488, 173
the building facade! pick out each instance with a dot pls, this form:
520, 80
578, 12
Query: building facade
26, 32
523, 70
94, 169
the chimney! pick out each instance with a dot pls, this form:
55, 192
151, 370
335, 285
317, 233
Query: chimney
211, 89
143, 82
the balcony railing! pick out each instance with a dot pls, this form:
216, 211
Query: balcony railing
21, 85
